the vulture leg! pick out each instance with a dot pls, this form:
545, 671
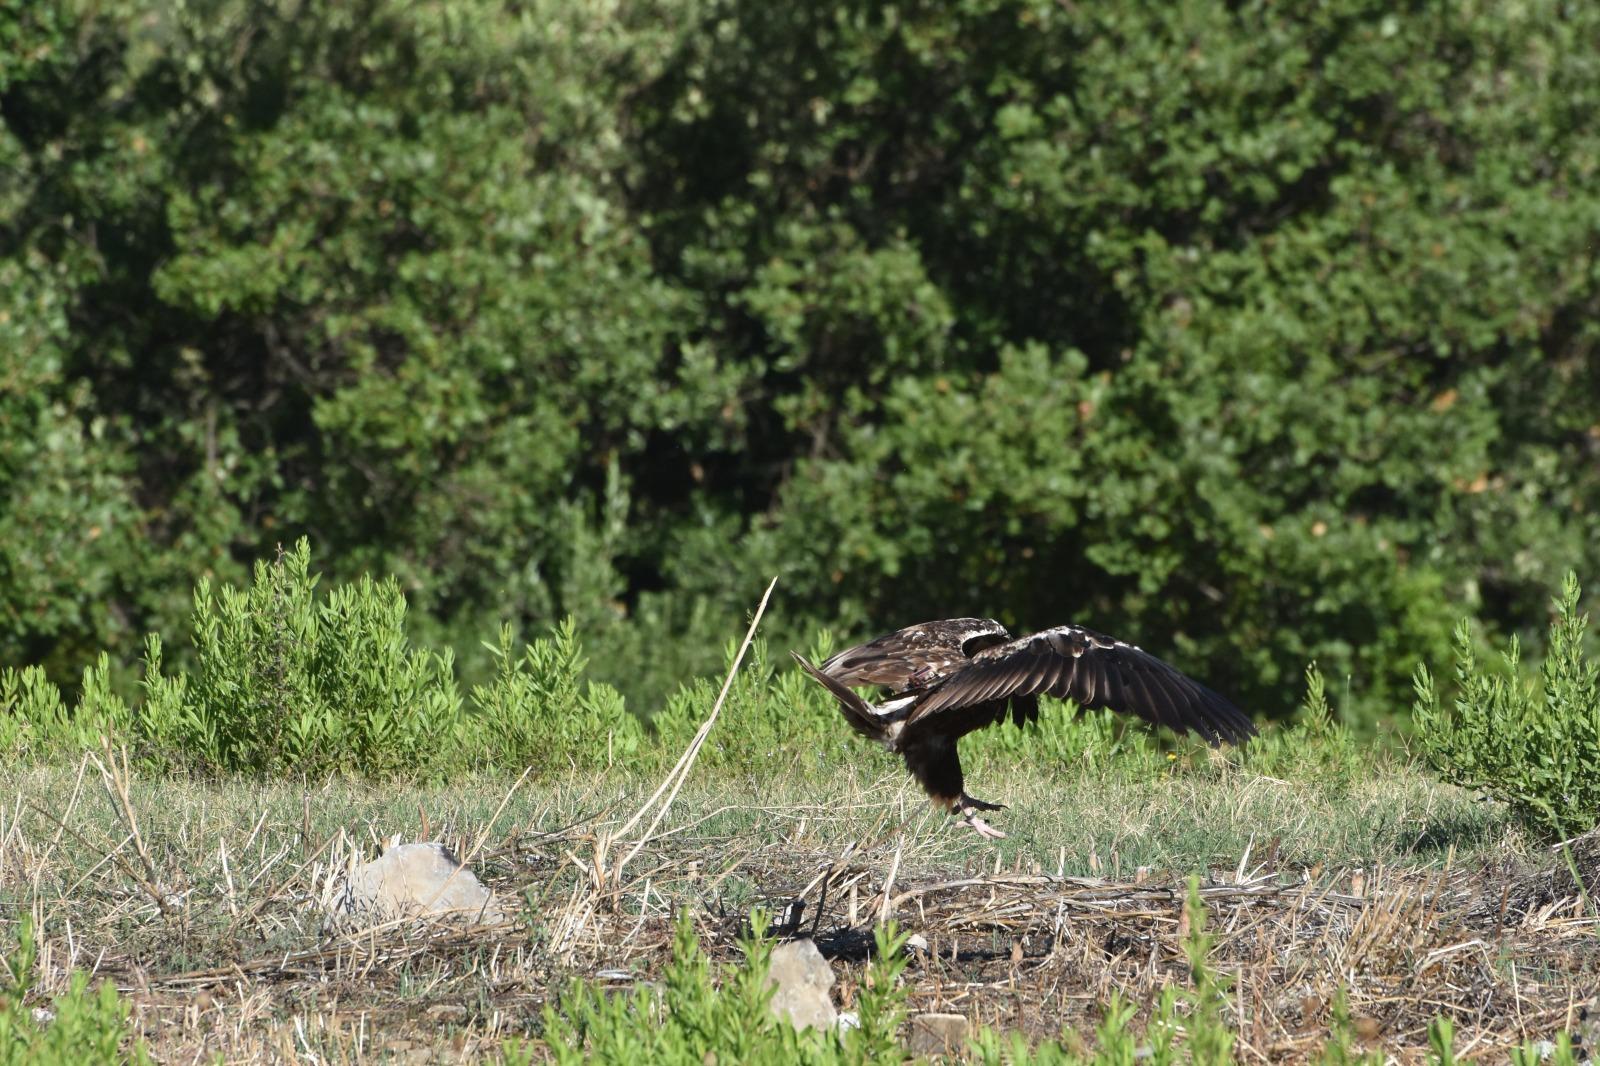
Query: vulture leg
933, 761
936, 766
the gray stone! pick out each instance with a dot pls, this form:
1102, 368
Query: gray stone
937, 1034
802, 977
410, 881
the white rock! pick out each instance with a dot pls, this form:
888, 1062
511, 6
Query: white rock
937, 1034
409, 881
802, 977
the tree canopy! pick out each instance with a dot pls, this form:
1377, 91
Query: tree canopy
1254, 332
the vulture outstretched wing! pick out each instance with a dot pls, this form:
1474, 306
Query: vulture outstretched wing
1070, 662
917, 657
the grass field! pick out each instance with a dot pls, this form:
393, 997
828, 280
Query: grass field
1349, 905
200, 900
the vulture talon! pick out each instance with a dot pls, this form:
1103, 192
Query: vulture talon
968, 802
981, 827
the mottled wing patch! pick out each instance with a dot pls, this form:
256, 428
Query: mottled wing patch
917, 657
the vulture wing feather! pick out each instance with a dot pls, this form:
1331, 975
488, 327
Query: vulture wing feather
1070, 662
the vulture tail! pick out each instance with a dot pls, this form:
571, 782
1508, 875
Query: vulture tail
857, 711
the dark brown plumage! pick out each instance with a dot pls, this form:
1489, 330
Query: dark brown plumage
948, 678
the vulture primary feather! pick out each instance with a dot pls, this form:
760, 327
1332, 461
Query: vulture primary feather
947, 678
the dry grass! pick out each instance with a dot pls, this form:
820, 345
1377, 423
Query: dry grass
200, 900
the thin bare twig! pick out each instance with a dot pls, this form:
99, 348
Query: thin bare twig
685, 762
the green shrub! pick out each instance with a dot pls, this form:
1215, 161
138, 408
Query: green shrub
1317, 745
1209, 1038
89, 1028
34, 719
1535, 748
774, 715
32, 714
538, 711
1558, 1052
1066, 738
693, 1020
287, 681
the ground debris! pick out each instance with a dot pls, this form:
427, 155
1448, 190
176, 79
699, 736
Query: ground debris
242, 967
1030, 952
1526, 894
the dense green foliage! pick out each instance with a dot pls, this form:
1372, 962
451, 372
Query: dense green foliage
1260, 333
1536, 750
82, 1028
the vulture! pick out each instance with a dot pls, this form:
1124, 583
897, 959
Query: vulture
947, 678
